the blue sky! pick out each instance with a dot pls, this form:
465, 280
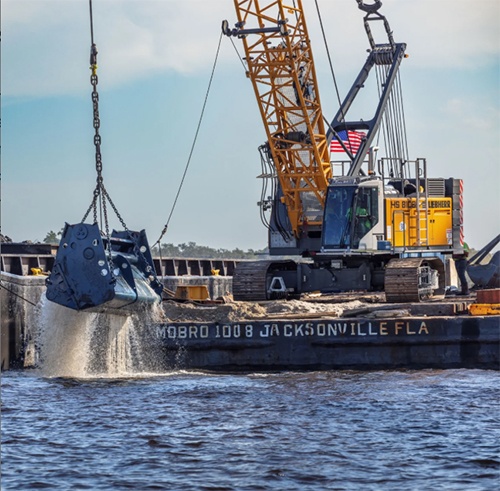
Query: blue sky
155, 59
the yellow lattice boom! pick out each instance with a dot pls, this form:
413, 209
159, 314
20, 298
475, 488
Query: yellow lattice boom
281, 68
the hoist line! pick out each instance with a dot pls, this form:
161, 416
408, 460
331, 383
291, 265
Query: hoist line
387, 117
393, 122
239, 56
91, 23
395, 105
392, 108
399, 127
163, 232
384, 123
17, 294
405, 133
332, 71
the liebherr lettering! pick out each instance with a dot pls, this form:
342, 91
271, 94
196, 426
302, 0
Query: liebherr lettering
407, 204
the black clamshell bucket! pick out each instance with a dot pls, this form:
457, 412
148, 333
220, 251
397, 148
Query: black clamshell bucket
486, 275
94, 273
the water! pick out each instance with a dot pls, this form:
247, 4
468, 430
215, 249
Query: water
396, 430
84, 345
98, 413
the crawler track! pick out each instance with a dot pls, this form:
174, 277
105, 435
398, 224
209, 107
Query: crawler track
403, 282
406, 280
249, 280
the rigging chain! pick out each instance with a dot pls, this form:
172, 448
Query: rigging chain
164, 231
101, 195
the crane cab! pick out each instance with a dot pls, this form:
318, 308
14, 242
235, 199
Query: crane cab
354, 215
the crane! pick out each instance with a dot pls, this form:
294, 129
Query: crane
377, 225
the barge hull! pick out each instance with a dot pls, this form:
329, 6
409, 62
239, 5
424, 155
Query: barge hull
361, 344
441, 336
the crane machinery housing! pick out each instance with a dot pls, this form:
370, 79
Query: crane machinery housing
381, 223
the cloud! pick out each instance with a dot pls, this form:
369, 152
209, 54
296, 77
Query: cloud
46, 42
465, 111
456, 34
459, 34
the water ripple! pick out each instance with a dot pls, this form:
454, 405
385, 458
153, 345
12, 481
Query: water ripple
403, 430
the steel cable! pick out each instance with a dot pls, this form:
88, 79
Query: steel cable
164, 231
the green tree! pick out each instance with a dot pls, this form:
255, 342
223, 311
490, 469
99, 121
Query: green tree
52, 237
193, 250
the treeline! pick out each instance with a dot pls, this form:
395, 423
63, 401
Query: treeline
193, 250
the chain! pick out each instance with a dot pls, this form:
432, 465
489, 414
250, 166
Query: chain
97, 123
100, 193
117, 213
97, 137
87, 213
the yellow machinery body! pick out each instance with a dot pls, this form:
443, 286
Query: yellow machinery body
409, 225
484, 309
192, 292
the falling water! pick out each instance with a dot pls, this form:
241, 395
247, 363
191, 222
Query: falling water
87, 345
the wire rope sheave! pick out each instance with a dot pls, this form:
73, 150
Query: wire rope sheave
94, 272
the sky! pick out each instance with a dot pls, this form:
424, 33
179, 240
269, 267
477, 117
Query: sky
155, 60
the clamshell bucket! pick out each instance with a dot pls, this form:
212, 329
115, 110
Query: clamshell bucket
486, 275
94, 273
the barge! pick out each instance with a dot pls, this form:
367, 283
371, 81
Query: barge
342, 331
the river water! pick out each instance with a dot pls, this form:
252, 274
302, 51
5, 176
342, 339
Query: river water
390, 430
99, 414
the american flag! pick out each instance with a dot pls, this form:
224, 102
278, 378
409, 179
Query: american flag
352, 143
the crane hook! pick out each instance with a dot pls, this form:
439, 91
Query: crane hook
369, 9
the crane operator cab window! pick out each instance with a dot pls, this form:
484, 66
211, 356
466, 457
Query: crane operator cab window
350, 213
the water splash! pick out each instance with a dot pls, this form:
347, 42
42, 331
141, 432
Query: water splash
90, 345
63, 340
